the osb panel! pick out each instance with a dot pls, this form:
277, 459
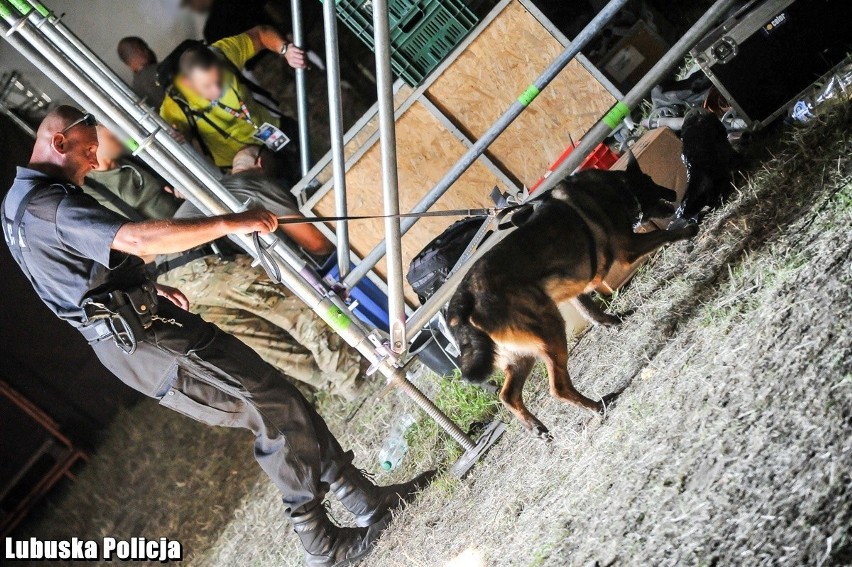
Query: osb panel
425, 151
364, 133
499, 65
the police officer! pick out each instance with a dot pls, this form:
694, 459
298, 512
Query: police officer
83, 261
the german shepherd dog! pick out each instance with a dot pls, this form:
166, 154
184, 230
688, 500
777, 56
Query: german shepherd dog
506, 307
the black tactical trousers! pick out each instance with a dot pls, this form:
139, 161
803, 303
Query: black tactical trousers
196, 369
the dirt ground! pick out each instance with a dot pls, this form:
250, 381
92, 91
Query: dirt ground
730, 444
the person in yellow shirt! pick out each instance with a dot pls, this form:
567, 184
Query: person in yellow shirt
209, 101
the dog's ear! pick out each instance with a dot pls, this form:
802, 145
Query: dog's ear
632, 163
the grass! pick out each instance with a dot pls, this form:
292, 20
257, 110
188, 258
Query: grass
465, 404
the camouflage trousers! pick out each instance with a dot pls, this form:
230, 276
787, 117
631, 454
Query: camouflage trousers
242, 301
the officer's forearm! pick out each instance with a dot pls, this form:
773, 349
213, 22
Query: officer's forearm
168, 236
173, 235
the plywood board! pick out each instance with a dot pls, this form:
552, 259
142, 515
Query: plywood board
362, 136
495, 69
425, 151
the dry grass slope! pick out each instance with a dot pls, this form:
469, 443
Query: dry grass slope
731, 443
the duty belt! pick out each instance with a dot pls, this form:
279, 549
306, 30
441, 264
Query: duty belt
122, 315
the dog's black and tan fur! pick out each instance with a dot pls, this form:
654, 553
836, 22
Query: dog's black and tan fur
506, 307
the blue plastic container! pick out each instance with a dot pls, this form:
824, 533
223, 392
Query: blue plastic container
372, 306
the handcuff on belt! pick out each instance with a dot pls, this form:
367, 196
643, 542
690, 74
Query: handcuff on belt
124, 314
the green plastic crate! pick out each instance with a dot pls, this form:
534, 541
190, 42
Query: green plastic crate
422, 32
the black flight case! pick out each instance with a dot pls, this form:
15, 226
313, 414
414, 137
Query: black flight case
770, 51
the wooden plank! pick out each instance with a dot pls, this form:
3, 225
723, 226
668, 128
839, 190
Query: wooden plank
425, 151
497, 66
362, 136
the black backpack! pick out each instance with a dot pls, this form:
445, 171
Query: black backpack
429, 269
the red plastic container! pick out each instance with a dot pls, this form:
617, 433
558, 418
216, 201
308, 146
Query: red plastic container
601, 158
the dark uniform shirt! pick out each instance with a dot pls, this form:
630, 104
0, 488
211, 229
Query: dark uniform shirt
65, 244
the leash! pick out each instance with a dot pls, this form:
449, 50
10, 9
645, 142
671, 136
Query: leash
521, 211
496, 212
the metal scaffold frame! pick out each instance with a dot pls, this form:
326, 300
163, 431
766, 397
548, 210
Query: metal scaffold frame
37, 33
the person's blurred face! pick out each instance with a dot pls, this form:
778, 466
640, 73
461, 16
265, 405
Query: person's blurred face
200, 6
140, 59
78, 148
205, 82
109, 146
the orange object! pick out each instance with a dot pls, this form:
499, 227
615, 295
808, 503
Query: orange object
600, 158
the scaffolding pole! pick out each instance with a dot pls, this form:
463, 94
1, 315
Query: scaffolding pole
390, 179
301, 92
156, 147
335, 122
488, 137
596, 135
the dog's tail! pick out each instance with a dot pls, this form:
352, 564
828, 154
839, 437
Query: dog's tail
477, 348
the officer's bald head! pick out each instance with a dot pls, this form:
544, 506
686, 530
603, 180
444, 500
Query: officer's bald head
58, 119
60, 150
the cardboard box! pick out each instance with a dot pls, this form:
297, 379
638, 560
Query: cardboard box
633, 56
658, 153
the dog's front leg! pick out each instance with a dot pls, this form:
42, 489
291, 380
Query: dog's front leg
642, 244
592, 312
512, 395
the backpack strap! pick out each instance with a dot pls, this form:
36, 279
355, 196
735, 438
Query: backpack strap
191, 119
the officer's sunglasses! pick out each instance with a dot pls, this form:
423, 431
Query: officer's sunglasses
88, 119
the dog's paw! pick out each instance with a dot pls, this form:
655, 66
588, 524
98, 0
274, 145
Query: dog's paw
691, 230
541, 432
610, 320
608, 402
626, 314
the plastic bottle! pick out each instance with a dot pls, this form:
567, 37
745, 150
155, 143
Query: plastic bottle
395, 447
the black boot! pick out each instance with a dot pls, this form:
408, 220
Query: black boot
327, 545
370, 503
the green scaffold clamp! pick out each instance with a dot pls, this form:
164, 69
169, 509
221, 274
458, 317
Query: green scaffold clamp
337, 319
616, 114
529, 95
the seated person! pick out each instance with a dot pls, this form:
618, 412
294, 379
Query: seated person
240, 298
126, 188
139, 58
210, 102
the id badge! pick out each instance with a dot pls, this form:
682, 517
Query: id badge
272, 137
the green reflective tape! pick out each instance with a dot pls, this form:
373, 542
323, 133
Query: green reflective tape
41, 9
5, 12
616, 114
22, 6
131, 144
337, 318
529, 95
